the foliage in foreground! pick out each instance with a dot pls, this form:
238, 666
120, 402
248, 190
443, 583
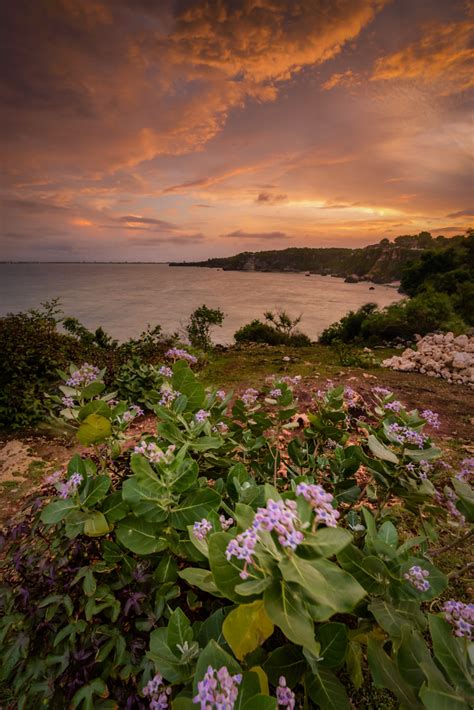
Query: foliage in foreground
236, 552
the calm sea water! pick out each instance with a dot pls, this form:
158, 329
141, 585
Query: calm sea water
124, 298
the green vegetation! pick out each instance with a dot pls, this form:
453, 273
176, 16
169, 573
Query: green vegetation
279, 329
199, 326
382, 263
297, 561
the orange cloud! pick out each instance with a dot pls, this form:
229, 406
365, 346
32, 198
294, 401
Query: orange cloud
347, 78
443, 55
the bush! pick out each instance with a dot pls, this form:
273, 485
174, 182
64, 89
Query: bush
400, 321
280, 329
143, 573
199, 326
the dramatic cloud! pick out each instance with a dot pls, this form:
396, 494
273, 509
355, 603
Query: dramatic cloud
139, 123
443, 55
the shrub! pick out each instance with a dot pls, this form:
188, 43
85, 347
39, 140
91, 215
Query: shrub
279, 330
214, 556
199, 326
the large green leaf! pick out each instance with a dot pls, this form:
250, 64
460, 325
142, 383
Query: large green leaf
94, 490
185, 476
57, 510
416, 664
200, 578
385, 674
288, 661
326, 691
450, 653
438, 699
97, 406
145, 498
184, 381
247, 627
140, 536
96, 525
333, 640
465, 494
392, 619
114, 507
285, 607
328, 588
94, 429
369, 571
179, 631
226, 573
327, 542
380, 450
195, 506
167, 663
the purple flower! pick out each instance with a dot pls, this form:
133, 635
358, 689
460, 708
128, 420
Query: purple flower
461, 617
68, 402
350, 397
226, 523
221, 427
131, 413
166, 371
381, 391
218, 689
54, 477
417, 577
403, 435
221, 394
284, 695
180, 354
449, 500
71, 485
431, 417
320, 501
467, 470
153, 452
157, 692
394, 406
168, 395
249, 397
201, 529
201, 416
83, 376
243, 547
275, 393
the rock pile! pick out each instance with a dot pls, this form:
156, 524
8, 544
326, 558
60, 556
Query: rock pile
439, 355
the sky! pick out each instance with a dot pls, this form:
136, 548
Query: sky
156, 130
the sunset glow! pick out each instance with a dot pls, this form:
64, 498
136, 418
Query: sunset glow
183, 129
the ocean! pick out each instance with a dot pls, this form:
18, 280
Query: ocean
124, 298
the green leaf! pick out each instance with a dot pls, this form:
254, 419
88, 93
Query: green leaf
392, 619
97, 406
96, 525
194, 507
226, 573
385, 674
465, 494
247, 627
185, 476
94, 429
288, 661
94, 491
145, 498
170, 667
184, 381
449, 652
200, 578
327, 542
114, 507
437, 699
326, 690
253, 586
287, 610
57, 510
388, 534
167, 570
84, 696
369, 571
380, 450
140, 536
353, 659
333, 640
179, 631
330, 589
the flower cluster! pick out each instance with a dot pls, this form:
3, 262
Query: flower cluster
179, 354
166, 371
350, 397
467, 470
71, 485
320, 501
448, 500
153, 452
404, 435
461, 617
131, 413
290, 381
424, 468
381, 391
284, 695
218, 689
168, 395
431, 418
394, 406
201, 416
226, 523
54, 477
279, 517
83, 376
157, 692
221, 394
68, 402
201, 529
249, 397
417, 577
275, 393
